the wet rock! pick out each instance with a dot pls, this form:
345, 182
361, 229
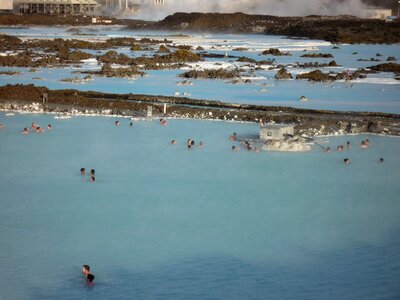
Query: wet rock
386, 67
115, 58
77, 56
358, 74
200, 48
317, 55
163, 49
371, 59
136, 47
211, 74
108, 71
184, 83
8, 42
266, 62
283, 74
182, 55
10, 73
247, 59
375, 127
333, 64
275, 52
240, 49
182, 47
391, 58
316, 76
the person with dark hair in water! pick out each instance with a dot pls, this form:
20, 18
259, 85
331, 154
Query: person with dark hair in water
89, 279
85, 270
83, 171
91, 175
88, 276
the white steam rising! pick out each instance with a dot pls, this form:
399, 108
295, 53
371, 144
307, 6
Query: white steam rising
152, 11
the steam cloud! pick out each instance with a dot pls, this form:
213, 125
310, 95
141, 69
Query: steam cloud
149, 10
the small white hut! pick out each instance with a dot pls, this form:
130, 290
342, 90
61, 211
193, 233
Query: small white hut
275, 131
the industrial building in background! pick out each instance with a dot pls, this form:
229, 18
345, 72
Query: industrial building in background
57, 7
76, 7
6, 7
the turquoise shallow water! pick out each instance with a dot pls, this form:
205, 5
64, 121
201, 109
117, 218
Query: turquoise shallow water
162, 222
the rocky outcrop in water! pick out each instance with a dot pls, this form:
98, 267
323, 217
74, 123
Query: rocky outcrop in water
163, 49
115, 58
275, 52
316, 76
283, 74
211, 74
387, 67
317, 55
108, 71
136, 47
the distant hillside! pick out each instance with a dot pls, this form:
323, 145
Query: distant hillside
341, 29
382, 3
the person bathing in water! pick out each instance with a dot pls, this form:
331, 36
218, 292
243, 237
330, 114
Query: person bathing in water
89, 277
92, 178
25, 131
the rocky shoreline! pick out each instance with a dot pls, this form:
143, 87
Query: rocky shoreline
307, 122
38, 53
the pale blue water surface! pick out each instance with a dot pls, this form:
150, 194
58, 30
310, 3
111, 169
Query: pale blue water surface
378, 92
163, 222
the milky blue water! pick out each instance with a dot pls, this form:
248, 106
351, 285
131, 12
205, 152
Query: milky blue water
379, 92
163, 222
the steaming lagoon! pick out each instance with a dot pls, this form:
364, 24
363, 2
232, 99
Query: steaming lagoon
163, 222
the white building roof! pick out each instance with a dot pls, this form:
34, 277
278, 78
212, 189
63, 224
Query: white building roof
6, 4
